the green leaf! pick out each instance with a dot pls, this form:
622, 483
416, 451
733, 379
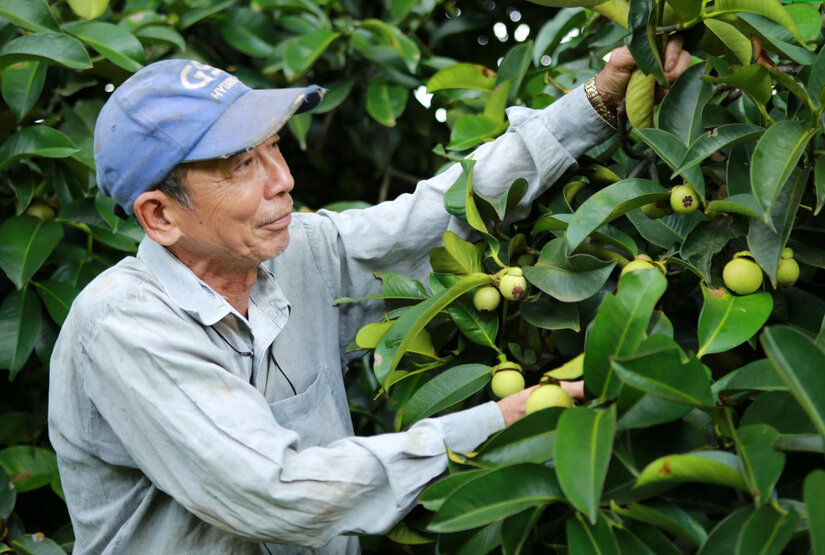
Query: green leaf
568, 279
33, 15
395, 342
479, 327
550, 314
585, 538
681, 110
405, 535
758, 375
665, 232
584, 442
672, 151
301, 54
8, 495
463, 76
445, 390
816, 79
472, 130
516, 530
88, 9
642, 39
57, 48
57, 297
36, 140
28, 467
434, 496
20, 320
765, 8
752, 79
766, 244
25, 243
554, 30
814, 493
608, 204
395, 38
729, 320
738, 43
395, 286
370, 335
716, 139
619, 328
514, 66
36, 544
761, 463
400, 8
704, 241
21, 86
249, 31
190, 17
161, 33
708, 467
567, 3
745, 204
776, 38
531, 439
775, 157
298, 125
767, 531
665, 516
819, 182
115, 43
508, 201
799, 363
605, 234
385, 103
663, 374
337, 93
496, 495
723, 537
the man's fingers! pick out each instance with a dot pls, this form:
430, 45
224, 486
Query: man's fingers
673, 50
679, 66
622, 59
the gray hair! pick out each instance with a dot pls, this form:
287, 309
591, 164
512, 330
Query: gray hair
174, 186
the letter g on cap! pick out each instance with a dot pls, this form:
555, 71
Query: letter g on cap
198, 79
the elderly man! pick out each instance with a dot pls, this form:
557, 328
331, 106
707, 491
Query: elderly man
197, 402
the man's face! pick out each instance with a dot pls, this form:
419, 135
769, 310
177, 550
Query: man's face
241, 209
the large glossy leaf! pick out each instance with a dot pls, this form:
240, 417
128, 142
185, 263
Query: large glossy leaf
385, 103
8, 495
704, 241
642, 39
774, 158
665, 232
729, 320
738, 43
663, 374
766, 8
799, 362
33, 15
395, 341
814, 494
25, 243
36, 140
21, 86
472, 130
765, 243
517, 529
584, 442
394, 37
57, 297
554, 30
767, 532
568, 279
513, 67
816, 79
619, 328
463, 76
434, 496
758, 375
531, 439
57, 48
610, 203
496, 495
716, 139
370, 335
161, 33
584, 538
550, 314
394, 286
28, 467
36, 544
672, 150
606, 234
301, 54
681, 111
190, 17
114, 43
88, 9
709, 467
761, 463
445, 390
667, 517
722, 539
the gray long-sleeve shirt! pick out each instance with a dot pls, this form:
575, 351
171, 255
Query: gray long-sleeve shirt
182, 426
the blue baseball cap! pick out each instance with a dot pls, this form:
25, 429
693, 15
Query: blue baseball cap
177, 111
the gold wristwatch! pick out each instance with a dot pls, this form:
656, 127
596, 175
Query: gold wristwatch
607, 113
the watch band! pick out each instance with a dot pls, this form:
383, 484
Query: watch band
606, 113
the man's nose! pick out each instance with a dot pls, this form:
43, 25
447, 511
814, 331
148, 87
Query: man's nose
278, 178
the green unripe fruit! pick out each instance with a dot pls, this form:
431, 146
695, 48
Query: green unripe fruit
742, 276
546, 396
788, 272
512, 284
486, 299
41, 211
658, 209
683, 199
634, 265
507, 382
787, 253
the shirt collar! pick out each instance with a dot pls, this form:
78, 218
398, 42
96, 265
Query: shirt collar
194, 296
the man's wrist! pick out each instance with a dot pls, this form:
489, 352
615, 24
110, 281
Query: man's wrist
605, 107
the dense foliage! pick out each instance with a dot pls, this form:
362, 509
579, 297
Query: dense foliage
704, 419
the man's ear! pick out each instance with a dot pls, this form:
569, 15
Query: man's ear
157, 214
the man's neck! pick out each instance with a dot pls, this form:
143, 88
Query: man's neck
233, 283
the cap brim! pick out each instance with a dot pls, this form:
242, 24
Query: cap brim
251, 119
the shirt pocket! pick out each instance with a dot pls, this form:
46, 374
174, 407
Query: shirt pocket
313, 414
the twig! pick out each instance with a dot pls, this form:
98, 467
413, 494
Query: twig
624, 143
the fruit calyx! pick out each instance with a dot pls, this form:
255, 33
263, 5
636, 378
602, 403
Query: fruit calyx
683, 199
512, 284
